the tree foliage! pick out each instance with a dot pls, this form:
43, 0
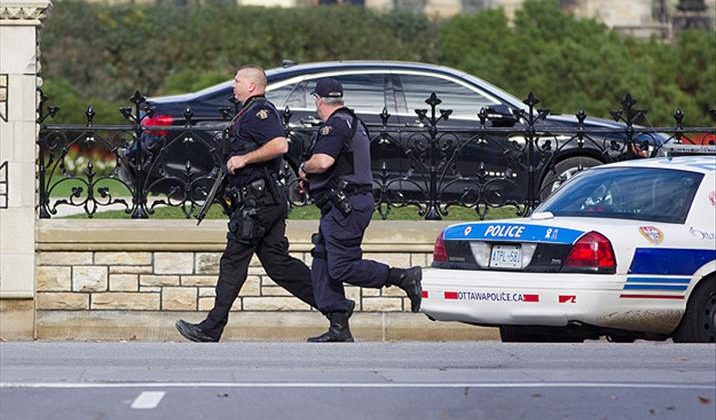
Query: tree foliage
101, 54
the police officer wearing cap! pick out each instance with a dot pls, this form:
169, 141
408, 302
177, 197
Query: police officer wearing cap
340, 182
258, 223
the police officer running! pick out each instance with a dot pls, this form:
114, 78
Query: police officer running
258, 221
339, 179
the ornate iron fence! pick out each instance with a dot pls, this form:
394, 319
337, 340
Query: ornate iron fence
511, 159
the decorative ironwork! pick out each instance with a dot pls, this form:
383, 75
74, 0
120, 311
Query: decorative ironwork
504, 158
3, 96
4, 186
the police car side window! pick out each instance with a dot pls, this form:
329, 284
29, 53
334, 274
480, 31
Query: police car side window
464, 102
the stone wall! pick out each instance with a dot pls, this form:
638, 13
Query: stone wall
131, 279
182, 281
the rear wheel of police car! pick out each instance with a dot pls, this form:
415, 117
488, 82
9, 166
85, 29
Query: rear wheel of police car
699, 322
563, 171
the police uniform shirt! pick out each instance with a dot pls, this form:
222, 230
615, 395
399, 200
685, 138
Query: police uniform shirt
335, 136
257, 123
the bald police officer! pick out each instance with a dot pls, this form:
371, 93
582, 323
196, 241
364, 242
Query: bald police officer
339, 179
258, 224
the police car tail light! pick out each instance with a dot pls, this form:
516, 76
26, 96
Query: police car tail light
158, 120
439, 252
592, 252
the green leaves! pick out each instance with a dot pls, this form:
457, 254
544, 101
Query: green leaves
101, 54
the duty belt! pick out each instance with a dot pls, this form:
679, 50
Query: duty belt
259, 191
337, 197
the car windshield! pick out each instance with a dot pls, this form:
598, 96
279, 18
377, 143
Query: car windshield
652, 194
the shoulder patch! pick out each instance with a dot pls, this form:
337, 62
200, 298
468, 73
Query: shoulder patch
263, 114
326, 130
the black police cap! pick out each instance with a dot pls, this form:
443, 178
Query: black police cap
328, 88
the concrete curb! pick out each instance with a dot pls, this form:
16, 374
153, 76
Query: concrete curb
254, 326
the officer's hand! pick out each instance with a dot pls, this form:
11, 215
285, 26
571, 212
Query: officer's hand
235, 163
303, 175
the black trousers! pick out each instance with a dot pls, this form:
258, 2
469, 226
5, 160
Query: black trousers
272, 249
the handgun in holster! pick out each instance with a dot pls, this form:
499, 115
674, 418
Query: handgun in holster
338, 198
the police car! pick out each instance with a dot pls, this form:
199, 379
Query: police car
625, 250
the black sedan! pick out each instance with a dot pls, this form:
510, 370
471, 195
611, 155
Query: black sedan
386, 96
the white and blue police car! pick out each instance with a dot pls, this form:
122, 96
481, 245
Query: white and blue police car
624, 250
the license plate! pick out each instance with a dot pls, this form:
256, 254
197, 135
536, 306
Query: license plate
506, 256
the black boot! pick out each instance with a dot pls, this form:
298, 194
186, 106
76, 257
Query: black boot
408, 280
339, 331
193, 332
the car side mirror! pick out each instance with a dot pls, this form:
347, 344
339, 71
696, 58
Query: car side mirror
501, 115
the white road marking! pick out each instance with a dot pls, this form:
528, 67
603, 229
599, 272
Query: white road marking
148, 400
69, 385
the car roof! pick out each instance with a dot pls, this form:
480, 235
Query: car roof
281, 73
701, 164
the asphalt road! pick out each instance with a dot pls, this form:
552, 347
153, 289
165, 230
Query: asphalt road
239, 380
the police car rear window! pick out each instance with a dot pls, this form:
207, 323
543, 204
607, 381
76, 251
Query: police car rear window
652, 194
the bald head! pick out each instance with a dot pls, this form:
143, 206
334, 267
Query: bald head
249, 81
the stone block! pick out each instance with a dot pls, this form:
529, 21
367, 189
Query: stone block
17, 321
392, 291
206, 304
22, 91
123, 258
370, 292
89, 278
382, 304
418, 259
266, 281
17, 272
257, 271
207, 262
63, 301
199, 280
123, 282
173, 263
393, 259
207, 292
273, 304
255, 261
18, 43
252, 286
17, 224
130, 269
179, 298
53, 278
130, 301
64, 258
149, 289
152, 280
275, 291
237, 305
353, 293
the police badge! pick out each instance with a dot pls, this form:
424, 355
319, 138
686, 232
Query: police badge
326, 130
263, 114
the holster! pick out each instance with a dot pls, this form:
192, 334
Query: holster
336, 197
243, 224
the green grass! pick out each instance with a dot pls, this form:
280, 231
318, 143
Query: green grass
62, 187
310, 213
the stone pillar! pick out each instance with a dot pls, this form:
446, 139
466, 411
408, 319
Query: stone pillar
19, 24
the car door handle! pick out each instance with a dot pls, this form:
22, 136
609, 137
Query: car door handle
310, 121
